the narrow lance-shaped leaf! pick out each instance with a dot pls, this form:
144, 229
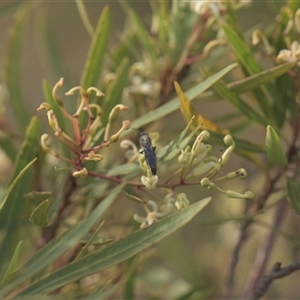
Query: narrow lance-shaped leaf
172, 105
258, 79
114, 253
143, 35
249, 83
94, 63
10, 214
15, 181
13, 263
49, 253
95, 59
164, 152
293, 188
12, 70
84, 17
251, 65
242, 106
274, 149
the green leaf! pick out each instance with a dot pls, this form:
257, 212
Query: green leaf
161, 13
142, 33
10, 214
114, 253
12, 70
181, 28
40, 215
242, 106
15, 181
91, 240
170, 147
47, 40
254, 81
293, 188
241, 50
250, 64
14, 262
174, 149
123, 169
53, 250
250, 83
84, 17
274, 149
96, 55
113, 95
173, 105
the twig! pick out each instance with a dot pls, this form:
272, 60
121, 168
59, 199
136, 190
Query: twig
275, 273
256, 207
264, 253
234, 259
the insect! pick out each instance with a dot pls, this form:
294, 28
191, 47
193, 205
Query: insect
148, 150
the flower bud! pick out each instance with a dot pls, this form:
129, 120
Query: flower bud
149, 181
182, 202
115, 111
82, 173
247, 195
228, 140
44, 106
52, 120
125, 126
185, 156
95, 157
44, 138
205, 182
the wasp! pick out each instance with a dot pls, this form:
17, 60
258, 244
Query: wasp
148, 150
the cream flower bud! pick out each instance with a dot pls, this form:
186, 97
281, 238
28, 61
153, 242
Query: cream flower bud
228, 140
182, 202
125, 126
44, 106
52, 120
205, 182
198, 145
115, 111
82, 173
95, 157
185, 156
150, 181
247, 195
44, 138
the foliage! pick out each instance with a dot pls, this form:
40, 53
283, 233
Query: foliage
113, 150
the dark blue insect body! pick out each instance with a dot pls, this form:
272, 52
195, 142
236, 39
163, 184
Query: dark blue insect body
148, 150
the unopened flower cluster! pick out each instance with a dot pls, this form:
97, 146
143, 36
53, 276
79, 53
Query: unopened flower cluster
194, 162
81, 142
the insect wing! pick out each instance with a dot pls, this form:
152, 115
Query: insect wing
150, 158
149, 151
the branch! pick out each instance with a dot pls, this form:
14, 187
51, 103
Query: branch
243, 234
275, 273
256, 207
264, 253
